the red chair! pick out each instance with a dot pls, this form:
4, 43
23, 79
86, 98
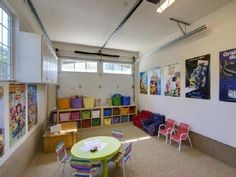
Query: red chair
181, 134
165, 129
144, 114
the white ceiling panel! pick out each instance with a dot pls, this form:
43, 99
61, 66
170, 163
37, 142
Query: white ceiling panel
90, 22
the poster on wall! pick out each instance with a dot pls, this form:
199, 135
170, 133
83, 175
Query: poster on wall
17, 103
197, 81
172, 80
32, 106
155, 81
228, 75
143, 83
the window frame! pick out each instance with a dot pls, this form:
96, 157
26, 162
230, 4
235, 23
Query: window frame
79, 60
122, 63
9, 28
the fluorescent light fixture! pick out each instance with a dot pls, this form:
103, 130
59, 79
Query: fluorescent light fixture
165, 5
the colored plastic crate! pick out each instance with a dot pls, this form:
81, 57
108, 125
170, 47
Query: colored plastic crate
95, 113
124, 118
96, 122
63, 103
125, 100
131, 118
76, 102
116, 111
124, 111
116, 100
75, 115
107, 112
86, 123
64, 116
88, 102
107, 121
86, 114
116, 120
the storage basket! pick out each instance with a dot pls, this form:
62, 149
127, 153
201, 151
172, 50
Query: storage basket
75, 115
76, 102
88, 102
96, 122
86, 123
107, 121
131, 118
125, 100
63, 103
116, 100
95, 113
124, 111
116, 120
86, 114
132, 110
107, 112
116, 111
124, 118
64, 116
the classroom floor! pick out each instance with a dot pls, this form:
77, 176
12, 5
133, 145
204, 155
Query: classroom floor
151, 157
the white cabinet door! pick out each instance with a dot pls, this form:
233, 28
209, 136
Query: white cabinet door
28, 66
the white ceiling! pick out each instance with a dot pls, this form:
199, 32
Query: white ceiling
90, 22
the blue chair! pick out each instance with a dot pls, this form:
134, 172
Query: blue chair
151, 126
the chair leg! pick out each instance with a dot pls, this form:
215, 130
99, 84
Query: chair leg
158, 136
180, 146
166, 139
170, 141
124, 170
190, 142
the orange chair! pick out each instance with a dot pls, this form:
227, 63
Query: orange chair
165, 129
181, 134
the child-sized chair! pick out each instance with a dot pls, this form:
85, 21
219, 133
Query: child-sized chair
165, 129
122, 158
84, 168
118, 134
181, 134
62, 156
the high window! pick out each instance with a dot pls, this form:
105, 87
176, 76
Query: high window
78, 66
5, 45
117, 68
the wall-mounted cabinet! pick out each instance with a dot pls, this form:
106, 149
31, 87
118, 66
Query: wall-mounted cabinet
37, 61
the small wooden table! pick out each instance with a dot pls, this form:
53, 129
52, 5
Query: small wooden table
50, 140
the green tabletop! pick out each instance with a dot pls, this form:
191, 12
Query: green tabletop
111, 148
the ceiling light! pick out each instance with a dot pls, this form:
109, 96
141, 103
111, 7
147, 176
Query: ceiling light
165, 5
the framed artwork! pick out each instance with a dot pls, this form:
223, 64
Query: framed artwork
32, 106
155, 81
228, 75
17, 103
143, 83
197, 80
172, 80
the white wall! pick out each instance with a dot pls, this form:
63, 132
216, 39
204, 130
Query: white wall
211, 118
72, 83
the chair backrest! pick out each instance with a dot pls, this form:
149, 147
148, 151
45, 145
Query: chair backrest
119, 134
183, 128
81, 166
145, 113
159, 118
170, 123
61, 151
127, 152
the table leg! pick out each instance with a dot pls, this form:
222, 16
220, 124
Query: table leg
105, 168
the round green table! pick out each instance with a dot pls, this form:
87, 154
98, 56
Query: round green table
112, 146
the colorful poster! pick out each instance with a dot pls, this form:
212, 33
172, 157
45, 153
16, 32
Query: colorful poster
228, 75
155, 81
32, 106
197, 81
17, 102
143, 83
172, 80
